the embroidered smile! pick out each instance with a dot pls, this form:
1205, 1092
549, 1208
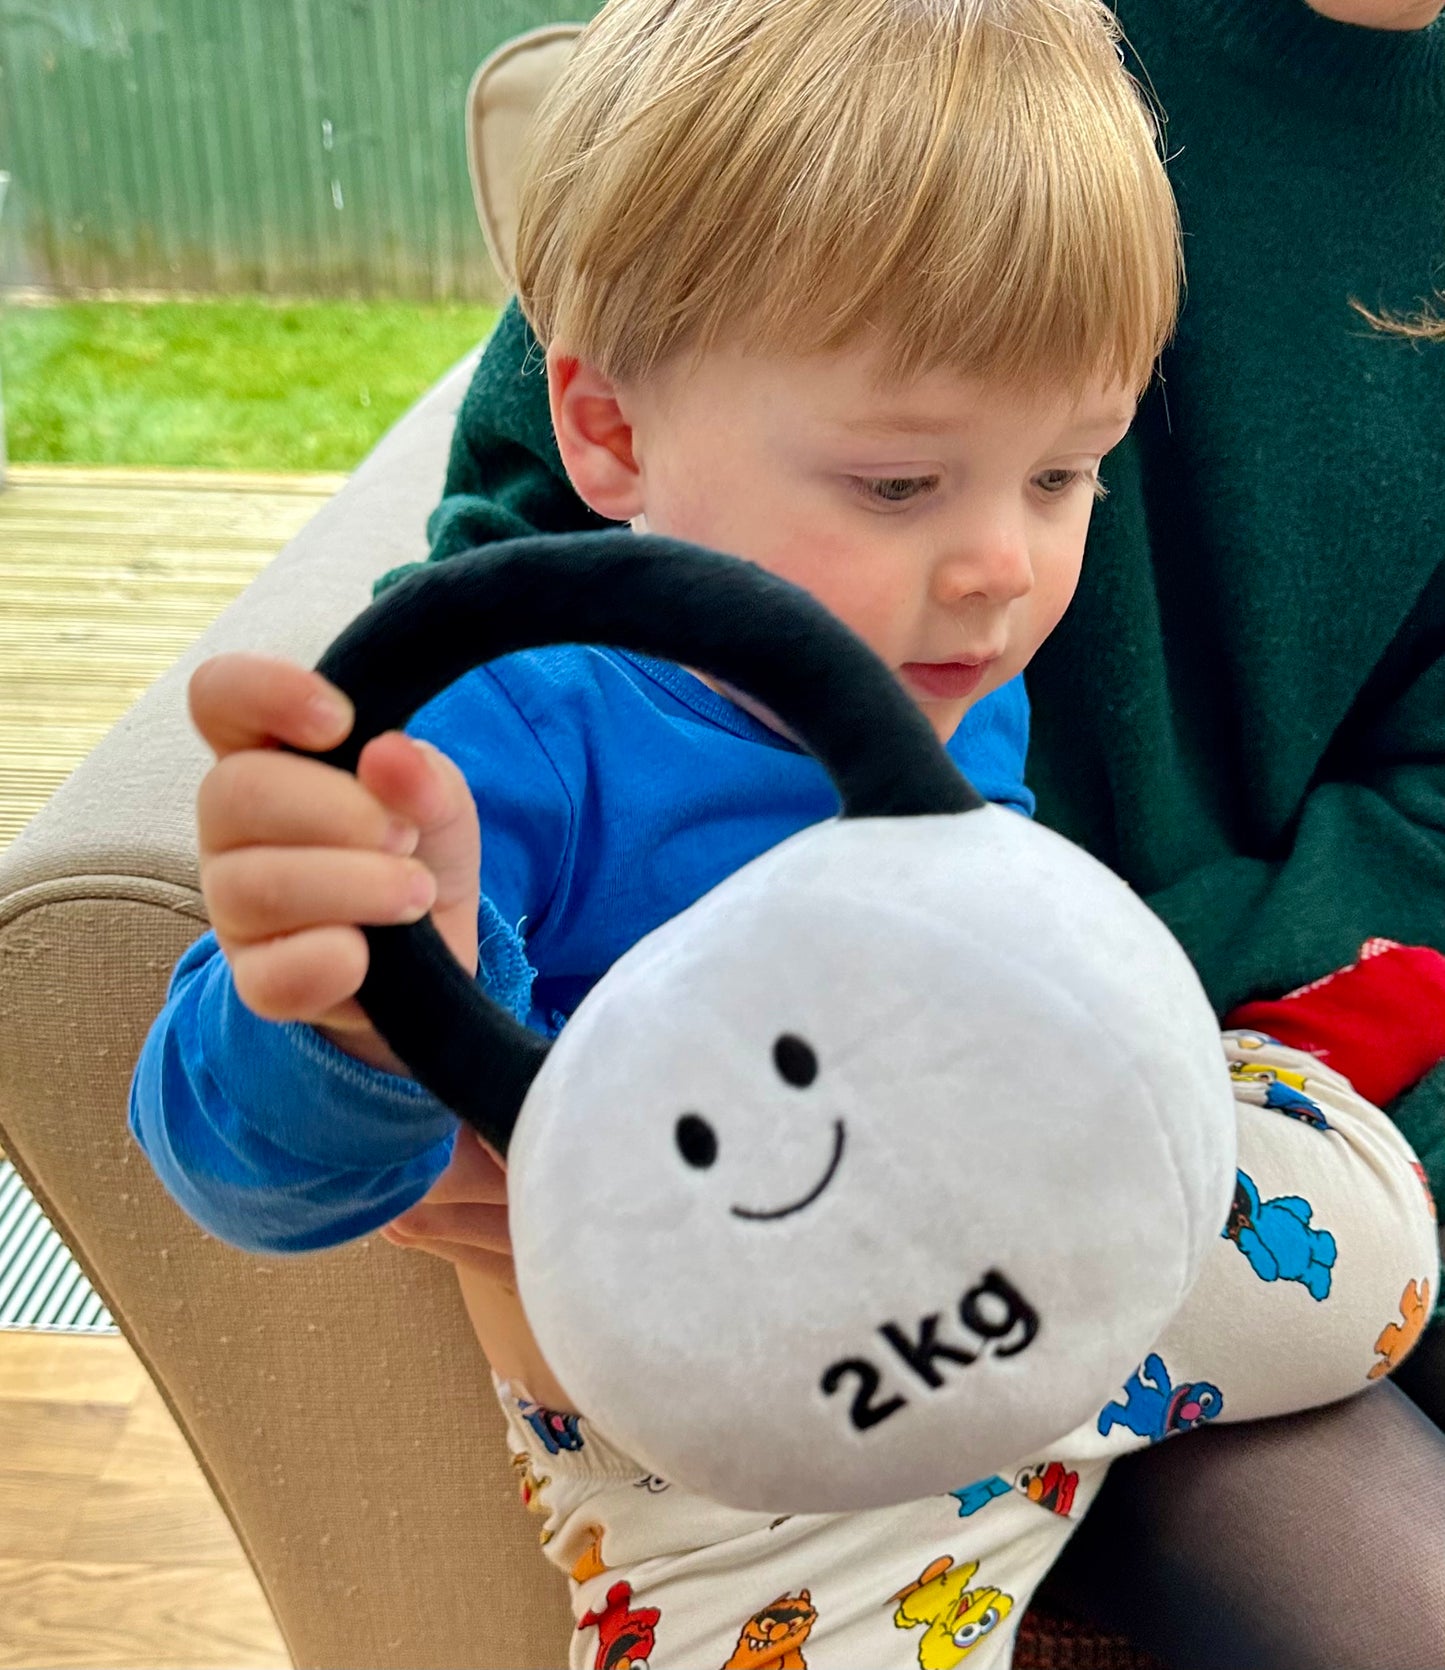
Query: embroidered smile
810, 1197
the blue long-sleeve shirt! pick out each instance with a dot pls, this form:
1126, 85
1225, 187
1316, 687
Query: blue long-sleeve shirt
613, 791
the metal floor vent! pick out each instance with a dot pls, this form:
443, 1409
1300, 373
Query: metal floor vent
41, 1285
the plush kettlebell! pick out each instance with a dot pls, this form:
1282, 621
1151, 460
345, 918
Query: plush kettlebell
883, 1165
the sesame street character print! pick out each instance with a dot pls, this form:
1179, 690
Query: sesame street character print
530, 1486
589, 1563
1253, 1040
955, 1618
1049, 1484
1278, 1240
626, 1638
1397, 1339
557, 1431
773, 1638
1155, 1408
979, 1494
1280, 1088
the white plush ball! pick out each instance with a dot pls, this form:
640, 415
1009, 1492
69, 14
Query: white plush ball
877, 1170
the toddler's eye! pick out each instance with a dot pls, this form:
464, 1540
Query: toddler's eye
897, 489
1055, 483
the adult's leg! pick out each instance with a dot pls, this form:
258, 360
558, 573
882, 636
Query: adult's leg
1310, 1542
1422, 1375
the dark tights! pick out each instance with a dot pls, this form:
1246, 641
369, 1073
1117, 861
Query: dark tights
1313, 1542
1423, 1373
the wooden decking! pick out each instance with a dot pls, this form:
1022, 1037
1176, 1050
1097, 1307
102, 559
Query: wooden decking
105, 577
113, 1551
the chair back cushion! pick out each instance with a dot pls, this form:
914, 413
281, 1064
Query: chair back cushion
504, 94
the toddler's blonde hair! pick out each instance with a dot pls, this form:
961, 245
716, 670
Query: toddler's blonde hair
966, 184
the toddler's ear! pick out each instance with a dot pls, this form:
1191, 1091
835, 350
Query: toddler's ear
594, 437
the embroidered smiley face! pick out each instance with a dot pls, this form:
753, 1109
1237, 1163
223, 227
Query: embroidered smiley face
697, 1141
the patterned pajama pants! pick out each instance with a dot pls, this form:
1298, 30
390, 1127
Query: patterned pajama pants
1322, 1280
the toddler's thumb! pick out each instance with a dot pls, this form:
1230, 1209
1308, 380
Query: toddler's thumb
450, 847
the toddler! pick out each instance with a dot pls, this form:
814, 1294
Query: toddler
863, 294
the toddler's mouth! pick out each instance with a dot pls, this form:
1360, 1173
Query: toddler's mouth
942, 681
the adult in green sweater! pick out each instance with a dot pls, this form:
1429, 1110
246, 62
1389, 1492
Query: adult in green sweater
1244, 715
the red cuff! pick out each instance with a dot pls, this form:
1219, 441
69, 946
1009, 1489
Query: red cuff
1380, 1022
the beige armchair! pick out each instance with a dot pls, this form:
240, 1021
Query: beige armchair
337, 1402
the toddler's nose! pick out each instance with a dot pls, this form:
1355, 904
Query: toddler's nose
995, 565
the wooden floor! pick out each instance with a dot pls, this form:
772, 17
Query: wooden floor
113, 1551
105, 577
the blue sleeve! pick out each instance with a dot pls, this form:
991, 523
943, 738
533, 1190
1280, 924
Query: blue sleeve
269, 1136
991, 746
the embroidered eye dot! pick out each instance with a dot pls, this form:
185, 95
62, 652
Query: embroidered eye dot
696, 1141
796, 1063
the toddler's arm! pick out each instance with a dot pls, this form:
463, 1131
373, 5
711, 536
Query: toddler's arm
268, 1135
269, 1106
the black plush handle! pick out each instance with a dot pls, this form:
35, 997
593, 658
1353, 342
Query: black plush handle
653, 596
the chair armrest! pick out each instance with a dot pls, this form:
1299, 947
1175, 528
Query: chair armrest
338, 1402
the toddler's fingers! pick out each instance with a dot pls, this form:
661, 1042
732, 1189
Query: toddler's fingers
309, 976
468, 1224
241, 700
420, 785
263, 798
472, 1176
256, 893
498, 1267
397, 769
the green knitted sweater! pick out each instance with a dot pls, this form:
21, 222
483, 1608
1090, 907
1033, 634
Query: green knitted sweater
1244, 711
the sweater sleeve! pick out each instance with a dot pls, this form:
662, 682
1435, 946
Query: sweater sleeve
270, 1137
1365, 858
266, 1134
504, 475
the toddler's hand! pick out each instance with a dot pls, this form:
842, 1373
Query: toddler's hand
295, 855
463, 1217
1380, 14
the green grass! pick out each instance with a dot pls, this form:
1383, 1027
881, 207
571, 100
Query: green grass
230, 385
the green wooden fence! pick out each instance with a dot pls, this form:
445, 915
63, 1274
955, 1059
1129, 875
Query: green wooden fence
289, 147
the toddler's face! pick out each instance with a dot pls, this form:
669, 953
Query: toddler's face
943, 521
